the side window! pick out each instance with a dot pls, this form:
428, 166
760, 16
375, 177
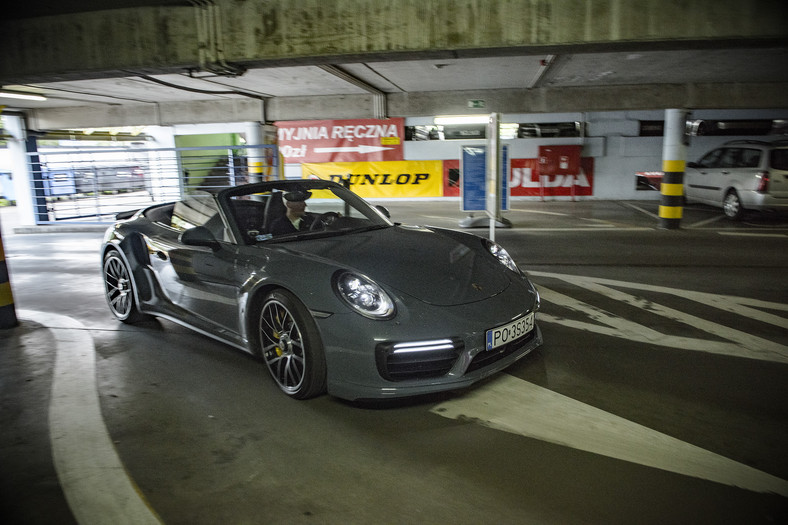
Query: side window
778, 159
729, 158
711, 159
750, 158
199, 210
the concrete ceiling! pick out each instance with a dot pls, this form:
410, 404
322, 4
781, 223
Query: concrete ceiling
623, 70
411, 76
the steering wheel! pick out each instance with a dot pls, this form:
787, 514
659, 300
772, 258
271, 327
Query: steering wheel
324, 220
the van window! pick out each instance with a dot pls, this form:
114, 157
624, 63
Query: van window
729, 158
779, 159
711, 159
750, 158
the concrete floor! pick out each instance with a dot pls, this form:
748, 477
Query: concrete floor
659, 396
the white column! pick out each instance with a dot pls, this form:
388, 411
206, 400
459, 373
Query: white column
20, 170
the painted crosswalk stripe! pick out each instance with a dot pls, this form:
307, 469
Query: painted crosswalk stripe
597, 320
519, 407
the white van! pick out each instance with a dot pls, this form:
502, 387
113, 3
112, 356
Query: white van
741, 175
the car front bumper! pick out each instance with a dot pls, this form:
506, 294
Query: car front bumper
454, 339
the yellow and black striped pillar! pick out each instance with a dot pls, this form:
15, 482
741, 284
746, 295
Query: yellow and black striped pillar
671, 203
674, 154
7, 311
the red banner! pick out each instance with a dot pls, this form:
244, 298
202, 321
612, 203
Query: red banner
362, 140
525, 180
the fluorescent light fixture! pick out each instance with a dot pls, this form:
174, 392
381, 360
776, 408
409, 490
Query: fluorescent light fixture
461, 119
22, 96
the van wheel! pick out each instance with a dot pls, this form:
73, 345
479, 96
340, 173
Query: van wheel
732, 206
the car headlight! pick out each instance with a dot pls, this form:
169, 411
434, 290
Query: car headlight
502, 255
364, 296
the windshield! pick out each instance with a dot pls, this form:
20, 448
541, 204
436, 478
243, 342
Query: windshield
291, 210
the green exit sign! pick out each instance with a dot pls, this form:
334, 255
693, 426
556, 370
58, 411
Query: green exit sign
476, 103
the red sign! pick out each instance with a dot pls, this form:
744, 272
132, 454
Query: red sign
362, 140
525, 180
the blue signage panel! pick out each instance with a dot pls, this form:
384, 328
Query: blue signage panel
473, 173
505, 178
473, 170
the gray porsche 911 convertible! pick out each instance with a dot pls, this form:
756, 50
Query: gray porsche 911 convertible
324, 288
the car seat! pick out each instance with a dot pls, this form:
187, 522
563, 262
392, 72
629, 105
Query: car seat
274, 209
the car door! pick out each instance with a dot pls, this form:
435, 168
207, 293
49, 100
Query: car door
705, 181
200, 280
746, 175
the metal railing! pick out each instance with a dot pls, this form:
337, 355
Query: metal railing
93, 185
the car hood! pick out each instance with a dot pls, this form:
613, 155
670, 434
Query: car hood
421, 262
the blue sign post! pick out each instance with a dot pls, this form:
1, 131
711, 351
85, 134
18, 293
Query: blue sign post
474, 184
473, 170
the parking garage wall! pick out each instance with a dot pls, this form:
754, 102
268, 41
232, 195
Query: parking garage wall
612, 139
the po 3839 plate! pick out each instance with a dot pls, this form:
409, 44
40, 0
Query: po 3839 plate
509, 332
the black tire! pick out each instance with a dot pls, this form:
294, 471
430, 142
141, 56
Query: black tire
732, 207
119, 289
291, 345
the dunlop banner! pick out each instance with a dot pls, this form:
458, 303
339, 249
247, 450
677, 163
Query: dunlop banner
383, 180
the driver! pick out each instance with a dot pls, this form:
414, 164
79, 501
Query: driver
296, 219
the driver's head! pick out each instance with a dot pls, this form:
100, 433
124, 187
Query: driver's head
297, 208
295, 201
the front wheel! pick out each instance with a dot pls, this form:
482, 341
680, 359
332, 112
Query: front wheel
119, 289
291, 346
732, 206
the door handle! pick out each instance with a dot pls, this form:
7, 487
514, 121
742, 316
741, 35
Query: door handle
161, 255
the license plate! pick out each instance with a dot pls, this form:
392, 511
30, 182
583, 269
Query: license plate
509, 332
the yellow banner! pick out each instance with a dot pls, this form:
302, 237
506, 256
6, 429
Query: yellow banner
385, 179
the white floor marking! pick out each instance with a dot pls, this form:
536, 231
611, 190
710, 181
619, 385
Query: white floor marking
707, 221
538, 212
740, 344
94, 481
588, 228
519, 407
641, 210
746, 234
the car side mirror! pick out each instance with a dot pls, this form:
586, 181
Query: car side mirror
199, 236
693, 165
383, 210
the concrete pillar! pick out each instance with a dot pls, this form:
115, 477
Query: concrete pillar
20, 170
255, 155
674, 161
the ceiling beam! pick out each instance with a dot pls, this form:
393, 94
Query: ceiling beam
229, 35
